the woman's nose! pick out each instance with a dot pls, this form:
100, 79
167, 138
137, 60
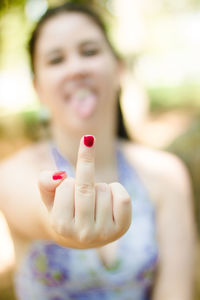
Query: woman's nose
75, 67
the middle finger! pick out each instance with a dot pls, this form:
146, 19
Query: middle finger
84, 186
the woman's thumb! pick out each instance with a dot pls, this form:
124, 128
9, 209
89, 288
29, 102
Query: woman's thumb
48, 182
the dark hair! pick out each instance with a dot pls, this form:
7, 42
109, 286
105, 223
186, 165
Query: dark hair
88, 10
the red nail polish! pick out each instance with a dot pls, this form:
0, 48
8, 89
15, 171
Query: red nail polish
88, 140
59, 175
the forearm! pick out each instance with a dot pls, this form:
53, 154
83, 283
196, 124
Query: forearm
175, 278
168, 291
30, 221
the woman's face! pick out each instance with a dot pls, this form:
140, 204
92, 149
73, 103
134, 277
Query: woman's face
76, 73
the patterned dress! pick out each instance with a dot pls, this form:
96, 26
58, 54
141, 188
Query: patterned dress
51, 272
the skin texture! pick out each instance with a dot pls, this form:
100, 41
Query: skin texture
26, 178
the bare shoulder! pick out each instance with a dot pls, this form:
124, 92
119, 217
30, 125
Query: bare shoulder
156, 161
35, 156
23, 167
161, 171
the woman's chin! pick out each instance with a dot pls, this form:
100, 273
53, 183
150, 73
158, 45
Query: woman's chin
82, 125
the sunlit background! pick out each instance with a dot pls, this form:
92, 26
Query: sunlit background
160, 43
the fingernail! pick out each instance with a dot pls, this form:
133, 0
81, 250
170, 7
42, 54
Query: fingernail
88, 140
59, 175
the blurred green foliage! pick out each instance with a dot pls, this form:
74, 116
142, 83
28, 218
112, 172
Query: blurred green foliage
34, 125
15, 27
31, 125
165, 98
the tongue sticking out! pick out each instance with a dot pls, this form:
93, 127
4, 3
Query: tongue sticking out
83, 102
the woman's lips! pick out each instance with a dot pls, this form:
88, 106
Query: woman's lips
83, 102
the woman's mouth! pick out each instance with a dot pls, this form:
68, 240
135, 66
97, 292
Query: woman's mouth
83, 102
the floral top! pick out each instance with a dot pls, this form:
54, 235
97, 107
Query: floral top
50, 271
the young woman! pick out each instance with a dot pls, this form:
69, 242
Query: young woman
122, 229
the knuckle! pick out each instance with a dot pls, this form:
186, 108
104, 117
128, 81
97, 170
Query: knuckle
102, 187
61, 227
85, 188
125, 201
114, 184
86, 236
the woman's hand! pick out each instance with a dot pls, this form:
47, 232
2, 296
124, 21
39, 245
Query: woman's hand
84, 214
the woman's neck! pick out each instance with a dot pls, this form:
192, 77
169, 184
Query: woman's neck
68, 144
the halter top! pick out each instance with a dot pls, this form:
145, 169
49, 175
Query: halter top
52, 272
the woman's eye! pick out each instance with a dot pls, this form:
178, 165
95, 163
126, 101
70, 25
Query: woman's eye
90, 52
56, 60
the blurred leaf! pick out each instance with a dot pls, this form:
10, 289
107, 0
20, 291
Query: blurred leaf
35, 127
